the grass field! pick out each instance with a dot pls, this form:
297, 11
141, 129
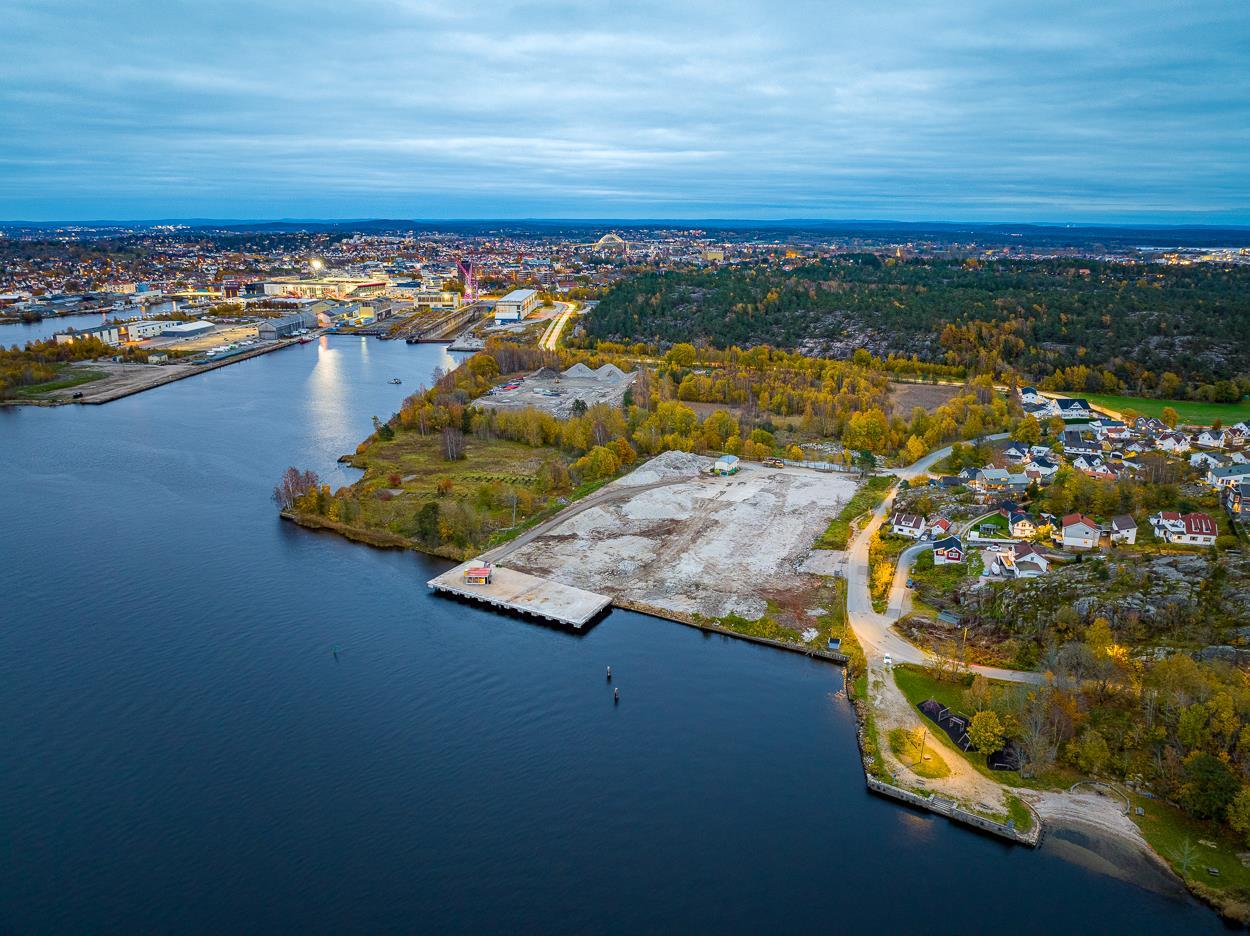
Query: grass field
1189, 411
906, 749
865, 499
79, 375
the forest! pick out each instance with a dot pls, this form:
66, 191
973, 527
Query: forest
1071, 325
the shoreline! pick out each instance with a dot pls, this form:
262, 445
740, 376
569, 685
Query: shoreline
1063, 819
173, 373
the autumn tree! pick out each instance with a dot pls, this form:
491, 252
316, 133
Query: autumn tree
294, 485
985, 731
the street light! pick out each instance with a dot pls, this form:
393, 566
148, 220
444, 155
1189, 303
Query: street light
316, 265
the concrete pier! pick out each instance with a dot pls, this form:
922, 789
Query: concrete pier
527, 594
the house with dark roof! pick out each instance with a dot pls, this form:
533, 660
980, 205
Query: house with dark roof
948, 550
1073, 408
1236, 500
1123, 529
905, 524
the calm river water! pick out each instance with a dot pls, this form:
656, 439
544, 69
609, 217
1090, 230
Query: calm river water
182, 751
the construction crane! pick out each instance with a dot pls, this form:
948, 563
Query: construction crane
468, 276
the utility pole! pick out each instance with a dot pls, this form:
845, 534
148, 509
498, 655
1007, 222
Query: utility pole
923, 738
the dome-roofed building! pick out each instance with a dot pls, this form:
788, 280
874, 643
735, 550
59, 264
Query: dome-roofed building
611, 243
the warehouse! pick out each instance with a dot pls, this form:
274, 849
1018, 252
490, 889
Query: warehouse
516, 305
187, 329
287, 325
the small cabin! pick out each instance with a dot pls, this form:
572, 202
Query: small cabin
726, 465
477, 575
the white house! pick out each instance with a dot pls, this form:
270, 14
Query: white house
1031, 396
1020, 561
1172, 442
1211, 438
1207, 460
1073, 408
1123, 529
1191, 529
1228, 475
1080, 532
904, 524
1198, 530
1022, 525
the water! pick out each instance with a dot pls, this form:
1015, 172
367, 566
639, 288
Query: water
183, 751
20, 333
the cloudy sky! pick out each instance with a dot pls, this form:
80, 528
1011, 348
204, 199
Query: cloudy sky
1098, 110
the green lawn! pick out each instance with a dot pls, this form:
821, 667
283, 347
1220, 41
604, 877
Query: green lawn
917, 685
1167, 829
1190, 411
68, 378
905, 748
866, 498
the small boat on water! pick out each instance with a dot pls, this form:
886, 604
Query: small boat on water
307, 339
395, 380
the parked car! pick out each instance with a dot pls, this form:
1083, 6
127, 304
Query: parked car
77, 394
774, 463
888, 661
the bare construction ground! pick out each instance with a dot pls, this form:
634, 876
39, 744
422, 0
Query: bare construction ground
674, 539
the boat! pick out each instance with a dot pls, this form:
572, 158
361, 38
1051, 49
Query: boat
395, 380
307, 339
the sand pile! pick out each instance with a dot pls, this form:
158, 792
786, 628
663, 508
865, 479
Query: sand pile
666, 466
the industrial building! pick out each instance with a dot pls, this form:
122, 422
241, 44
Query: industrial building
516, 305
288, 325
186, 329
112, 334
328, 287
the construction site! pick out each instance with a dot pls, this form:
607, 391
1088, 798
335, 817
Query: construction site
557, 393
674, 538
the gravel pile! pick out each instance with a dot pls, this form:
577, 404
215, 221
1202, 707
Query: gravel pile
667, 466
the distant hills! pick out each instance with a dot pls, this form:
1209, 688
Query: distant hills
1038, 235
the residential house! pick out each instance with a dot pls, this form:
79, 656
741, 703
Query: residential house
1236, 500
1172, 442
1020, 560
1074, 443
1079, 532
1031, 396
1150, 424
991, 479
948, 550
939, 527
1210, 438
1123, 529
1018, 482
1191, 529
1209, 460
1087, 463
1073, 408
905, 524
1021, 525
1228, 475
1017, 452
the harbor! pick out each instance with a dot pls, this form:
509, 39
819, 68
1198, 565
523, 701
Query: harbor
521, 593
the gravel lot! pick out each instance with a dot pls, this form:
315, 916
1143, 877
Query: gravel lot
707, 545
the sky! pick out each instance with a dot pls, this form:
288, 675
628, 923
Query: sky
1107, 111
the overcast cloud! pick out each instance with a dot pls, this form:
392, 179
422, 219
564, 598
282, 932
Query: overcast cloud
1057, 111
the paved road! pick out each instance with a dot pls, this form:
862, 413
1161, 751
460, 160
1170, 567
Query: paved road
551, 337
873, 628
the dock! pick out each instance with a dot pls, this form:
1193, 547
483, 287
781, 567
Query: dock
525, 594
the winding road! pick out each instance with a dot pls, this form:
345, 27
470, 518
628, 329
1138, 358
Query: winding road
874, 629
